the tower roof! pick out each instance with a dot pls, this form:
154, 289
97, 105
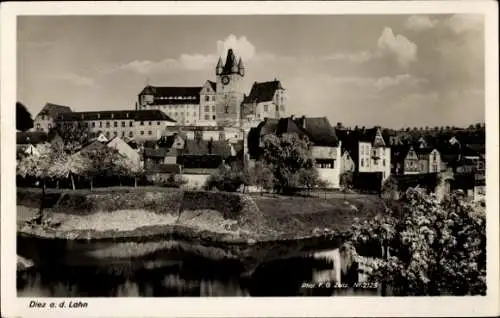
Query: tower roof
230, 63
240, 64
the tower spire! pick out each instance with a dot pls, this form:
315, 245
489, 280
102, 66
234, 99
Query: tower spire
241, 67
219, 67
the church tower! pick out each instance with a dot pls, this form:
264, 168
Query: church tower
229, 92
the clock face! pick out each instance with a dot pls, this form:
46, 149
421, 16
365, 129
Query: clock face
225, 80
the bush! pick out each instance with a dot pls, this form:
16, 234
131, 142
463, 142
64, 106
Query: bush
172, 181
225, 179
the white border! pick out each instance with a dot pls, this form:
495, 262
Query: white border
247, 307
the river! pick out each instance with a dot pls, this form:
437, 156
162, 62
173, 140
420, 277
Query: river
176, 274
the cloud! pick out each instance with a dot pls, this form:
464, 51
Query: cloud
355, 57
74, 79
460, 23
240, 45
397, 46
420, 23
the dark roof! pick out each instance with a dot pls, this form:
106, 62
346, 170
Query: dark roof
263, 92
31, 137
399, 152
423, 151
202, 147
213, 85
230, 63
53, 110
428, 181
319, 131
137, 115
171, 91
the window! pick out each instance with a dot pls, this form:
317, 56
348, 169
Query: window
86, 125
207, 109
277, 108
207, 117
93, 124
434, 157
100, 124
38, 125
131, 124
383, 162
142, 123
115, 133
150, 132
115, 124
108, 124
123, 124
131, 134
207, 98
107, 134
213, 108
265, 108
149, 123
213, 98
142, 132
158, 123
362, 162
213, 117
123, 133
194, 114
43, 117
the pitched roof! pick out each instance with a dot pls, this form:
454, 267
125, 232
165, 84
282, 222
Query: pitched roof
230, 63
319, 131
136, 115
213, 85
263, 92
31, 137
53, 110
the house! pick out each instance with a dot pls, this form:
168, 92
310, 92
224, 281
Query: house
45, 120
124, 149
265, 100
159, 156
326, 147
26, 142
429, 160
368, 149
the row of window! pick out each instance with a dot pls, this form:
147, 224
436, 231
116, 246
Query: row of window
207, 98
278, 108
108, 124
207, 108
367, 162
130, 133
176, 97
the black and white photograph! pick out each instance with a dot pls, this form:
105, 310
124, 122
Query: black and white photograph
250, 155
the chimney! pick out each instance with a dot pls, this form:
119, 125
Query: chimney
292, 116
303, 120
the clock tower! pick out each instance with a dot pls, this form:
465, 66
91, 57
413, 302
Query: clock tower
229, 92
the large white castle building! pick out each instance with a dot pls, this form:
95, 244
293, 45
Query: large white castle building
221, 103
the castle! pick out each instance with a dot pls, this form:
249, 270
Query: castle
222, 103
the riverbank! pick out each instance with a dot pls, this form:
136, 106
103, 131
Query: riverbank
214, 218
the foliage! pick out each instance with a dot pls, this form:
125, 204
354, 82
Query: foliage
289, 159
435, 248
173, 181
226, 178
24, 121
74, 136
36, 165
346, 180
263, 176
390, 188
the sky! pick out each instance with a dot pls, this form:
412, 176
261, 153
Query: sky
366, 70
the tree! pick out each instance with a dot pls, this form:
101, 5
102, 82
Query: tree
390, 188
126, 167
37, 166
98, 161
346, 181
286, 156
24, 121
263, 176
429, 247
226, 178
74, 136
66, 166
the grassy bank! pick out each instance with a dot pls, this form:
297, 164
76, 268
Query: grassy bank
132, 213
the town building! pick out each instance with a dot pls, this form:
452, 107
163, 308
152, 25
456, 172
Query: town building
326, 147
368, 150
138, 125
222, 102
45, 120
